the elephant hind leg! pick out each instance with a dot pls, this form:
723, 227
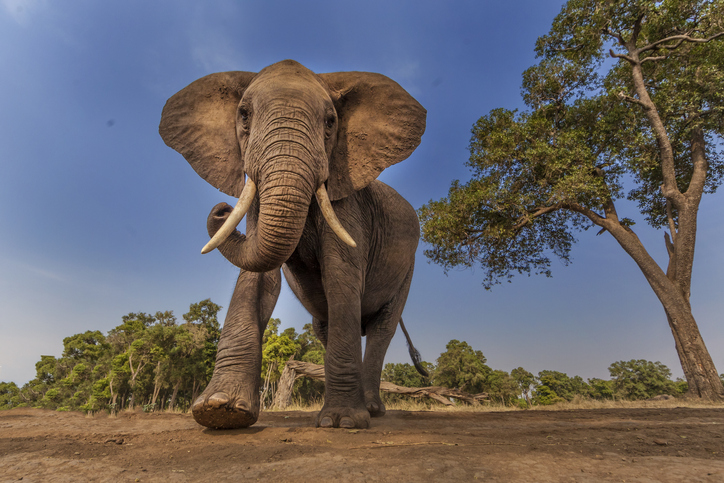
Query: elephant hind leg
231, 399
379, 329
320, 330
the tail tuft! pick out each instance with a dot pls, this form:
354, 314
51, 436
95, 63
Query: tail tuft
414, 354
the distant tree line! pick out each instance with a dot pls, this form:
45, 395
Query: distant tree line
157, 363
152, 361
464, 368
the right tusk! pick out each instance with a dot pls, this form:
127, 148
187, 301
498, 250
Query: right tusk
242, 206
332, 220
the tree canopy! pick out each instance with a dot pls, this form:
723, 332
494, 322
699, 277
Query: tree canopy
625, 103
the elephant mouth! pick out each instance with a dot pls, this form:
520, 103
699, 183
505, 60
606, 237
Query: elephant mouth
245, 201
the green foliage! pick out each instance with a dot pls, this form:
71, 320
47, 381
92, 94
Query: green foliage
9, 395
540, 176
600, 389
502, 387
87, 346
461, 367
404, 374
147, 360
640, 379
277, 350
155, 364
524, 381
554, 386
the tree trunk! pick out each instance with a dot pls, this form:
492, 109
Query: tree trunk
698, 367
283, 396
673, 288
156, 384
173, 395
195, 390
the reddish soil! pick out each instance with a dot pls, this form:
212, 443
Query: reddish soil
583, 445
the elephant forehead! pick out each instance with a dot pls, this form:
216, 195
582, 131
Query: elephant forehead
289, 84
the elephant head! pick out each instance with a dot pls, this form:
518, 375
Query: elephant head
292, 134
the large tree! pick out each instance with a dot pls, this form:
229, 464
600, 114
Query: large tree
626, 102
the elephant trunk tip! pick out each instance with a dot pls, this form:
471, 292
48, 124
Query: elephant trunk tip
239, 211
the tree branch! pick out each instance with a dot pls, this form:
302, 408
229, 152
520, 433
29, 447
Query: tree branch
630, 99
660, 57
438, 393
524, 220
621, 56
615, 35
670, 217
679, 39
701, 165
591, 215
636, 30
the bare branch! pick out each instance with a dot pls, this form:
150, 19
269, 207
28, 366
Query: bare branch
621, 56
438, 393
568, 49
636, 30
670, 217
660, 57
669, 246
590, 214
526, 219
678, 40
630, 99
701, 164
615, 35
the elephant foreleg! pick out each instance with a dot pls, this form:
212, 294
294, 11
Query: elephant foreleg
231, 400
344, 398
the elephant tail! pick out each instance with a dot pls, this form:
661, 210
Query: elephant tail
414, 354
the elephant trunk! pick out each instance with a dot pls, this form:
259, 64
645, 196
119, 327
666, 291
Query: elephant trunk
286, 183
283, 207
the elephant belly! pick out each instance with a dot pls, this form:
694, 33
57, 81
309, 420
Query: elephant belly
307, 286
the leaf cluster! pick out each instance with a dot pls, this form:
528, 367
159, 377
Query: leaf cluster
540, 176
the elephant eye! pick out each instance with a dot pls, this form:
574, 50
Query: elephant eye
329, 122
243, 114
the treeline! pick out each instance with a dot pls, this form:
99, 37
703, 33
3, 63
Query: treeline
156, 362
151, 361
464, 368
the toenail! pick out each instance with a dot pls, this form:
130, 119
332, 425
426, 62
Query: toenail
241, 405
218, 399
326, 422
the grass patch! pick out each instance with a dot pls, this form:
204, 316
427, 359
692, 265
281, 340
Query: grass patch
577, 404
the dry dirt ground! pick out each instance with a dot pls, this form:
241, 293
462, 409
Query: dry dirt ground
677, 444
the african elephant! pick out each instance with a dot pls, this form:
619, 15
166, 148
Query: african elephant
310, 146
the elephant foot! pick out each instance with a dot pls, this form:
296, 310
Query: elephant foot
343, 417
374, 404
224, 409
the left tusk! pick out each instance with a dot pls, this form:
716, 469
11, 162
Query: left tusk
328, 213
242, 206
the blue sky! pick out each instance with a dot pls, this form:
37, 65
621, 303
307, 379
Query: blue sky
99, 218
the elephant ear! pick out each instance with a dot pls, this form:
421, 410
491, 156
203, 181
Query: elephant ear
379, 124
199, 122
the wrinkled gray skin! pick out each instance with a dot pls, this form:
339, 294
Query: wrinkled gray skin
290, 131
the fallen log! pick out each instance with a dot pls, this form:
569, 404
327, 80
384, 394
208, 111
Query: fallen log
296, 369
